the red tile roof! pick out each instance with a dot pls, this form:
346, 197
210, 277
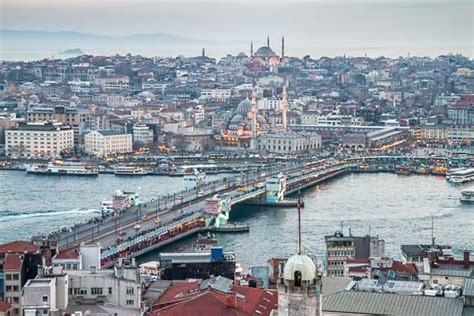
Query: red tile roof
5, 306
12, 262
178, 291
249, 301
19, 246
67, 254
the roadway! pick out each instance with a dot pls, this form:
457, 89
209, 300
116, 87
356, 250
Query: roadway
107, 229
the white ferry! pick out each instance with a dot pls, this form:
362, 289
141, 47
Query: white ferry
131, 171
467, 195
194, 180
63, 168
461, 176
107, 207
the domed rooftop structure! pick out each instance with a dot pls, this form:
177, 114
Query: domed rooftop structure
244, 107
33, 99
299, 263
237, 119
265, 52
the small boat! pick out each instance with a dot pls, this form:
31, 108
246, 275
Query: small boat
467, 195
106, 207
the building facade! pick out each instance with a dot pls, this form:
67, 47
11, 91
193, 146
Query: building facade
107, 142
38, 140
288, 143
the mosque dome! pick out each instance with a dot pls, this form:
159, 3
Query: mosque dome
244, 106
237, 119
265, 52
74, 100
33, 99
299, 263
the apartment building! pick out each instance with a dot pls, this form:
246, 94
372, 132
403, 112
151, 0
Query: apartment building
288, 143
113, 83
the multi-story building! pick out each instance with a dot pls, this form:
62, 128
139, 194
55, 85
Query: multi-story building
107, 142
216, 94
273, 104
113, 83
142, 134
460, 135
288, 143
12, 270
38, 140
74, 117
461, 114
339, 248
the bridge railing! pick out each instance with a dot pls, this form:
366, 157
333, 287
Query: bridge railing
155, 233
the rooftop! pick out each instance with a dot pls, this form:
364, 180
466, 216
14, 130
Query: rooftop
66, 254
391, 304
12, 262
19, 246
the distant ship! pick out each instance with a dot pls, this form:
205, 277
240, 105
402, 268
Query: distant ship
467, 195
59, 167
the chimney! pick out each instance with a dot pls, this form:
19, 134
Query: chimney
465, 261
231, 301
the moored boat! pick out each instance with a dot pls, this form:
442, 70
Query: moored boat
63, 168
467, 195
461, 176
126, 170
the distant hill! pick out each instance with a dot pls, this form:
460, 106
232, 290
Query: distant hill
60, 41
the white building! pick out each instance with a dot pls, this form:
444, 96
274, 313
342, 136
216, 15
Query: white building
87, 257
113, 83
38, 140
269, 104
47, 294
107, 142
118, 287
288, 143
461, 134
142, 134
216, 94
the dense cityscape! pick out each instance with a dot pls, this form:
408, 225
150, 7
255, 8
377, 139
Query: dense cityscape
249, 184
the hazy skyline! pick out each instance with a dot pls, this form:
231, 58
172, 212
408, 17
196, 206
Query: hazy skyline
305, 24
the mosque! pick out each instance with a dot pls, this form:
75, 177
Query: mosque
265, 56
247, 124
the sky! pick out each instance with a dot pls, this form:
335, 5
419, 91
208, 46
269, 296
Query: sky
353, 24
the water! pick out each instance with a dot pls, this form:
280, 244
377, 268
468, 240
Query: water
397, 208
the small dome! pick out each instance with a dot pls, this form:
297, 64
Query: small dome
244, 106
33, 99
237, 119
301, 263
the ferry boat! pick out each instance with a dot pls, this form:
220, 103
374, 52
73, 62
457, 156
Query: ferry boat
63, 168
107, 207
194, 180
131, 171
461, 176
467, 195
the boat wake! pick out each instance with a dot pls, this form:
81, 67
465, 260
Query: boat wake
12, 215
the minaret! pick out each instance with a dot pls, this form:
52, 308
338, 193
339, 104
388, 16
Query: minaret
203, 52
268, 41
282, 48
284, 110
254, 120
251, 49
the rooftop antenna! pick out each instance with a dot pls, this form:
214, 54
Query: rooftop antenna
299, 222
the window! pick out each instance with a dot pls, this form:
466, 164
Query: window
8, 288
110, 291
16, 276
96, 291
8, 276
130, 302
45, 312
45, 298
130, 290
16, 300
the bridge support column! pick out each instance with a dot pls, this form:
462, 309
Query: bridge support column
275, 189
